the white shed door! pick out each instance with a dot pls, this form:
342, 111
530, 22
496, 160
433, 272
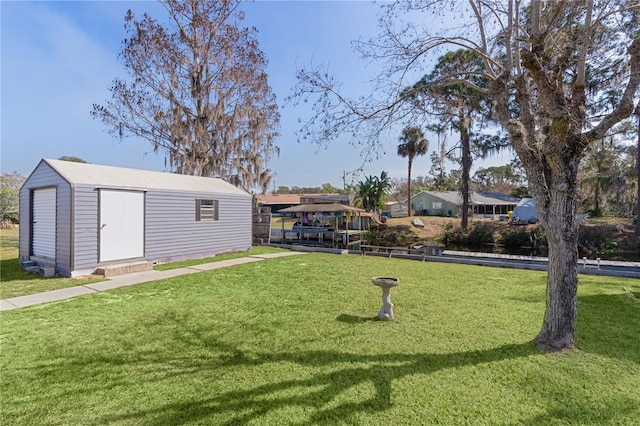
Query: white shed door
121, 225
44, 223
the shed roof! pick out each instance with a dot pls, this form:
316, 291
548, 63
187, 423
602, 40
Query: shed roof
121, 177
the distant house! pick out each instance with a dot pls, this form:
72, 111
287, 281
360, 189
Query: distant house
491, 204
76, 217
449, 203
395, 209
275, 202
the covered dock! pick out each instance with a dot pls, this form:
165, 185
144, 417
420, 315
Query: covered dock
332, 224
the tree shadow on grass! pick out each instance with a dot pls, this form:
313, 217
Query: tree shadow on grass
609, 324
317, 394
321, 383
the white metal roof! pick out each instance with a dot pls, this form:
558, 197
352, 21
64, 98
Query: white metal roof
121, 177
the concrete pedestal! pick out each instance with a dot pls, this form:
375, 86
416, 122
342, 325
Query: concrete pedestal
386, 283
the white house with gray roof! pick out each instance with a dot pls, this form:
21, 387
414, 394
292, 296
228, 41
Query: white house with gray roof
77, 217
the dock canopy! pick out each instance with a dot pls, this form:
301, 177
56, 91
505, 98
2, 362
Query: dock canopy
323, 208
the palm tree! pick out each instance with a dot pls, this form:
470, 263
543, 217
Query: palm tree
381, 188
373, 191
364, 192
412, 143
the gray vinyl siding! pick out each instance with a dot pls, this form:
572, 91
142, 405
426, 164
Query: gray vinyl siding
24, 230
172, 232
85, 223
45, 177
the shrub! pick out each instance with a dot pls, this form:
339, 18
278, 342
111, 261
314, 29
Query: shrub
480, 234
520, 237
591, 240
383, 235
371, 236
515, 238
453, 235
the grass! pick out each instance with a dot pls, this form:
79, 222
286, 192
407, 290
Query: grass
257, 250
276, 222
16, 282
8, 243
293, 340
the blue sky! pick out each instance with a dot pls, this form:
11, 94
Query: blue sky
58, 58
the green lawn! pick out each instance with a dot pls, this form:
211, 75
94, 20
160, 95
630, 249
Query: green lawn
9, 243
257, 250
16, 282
293, 340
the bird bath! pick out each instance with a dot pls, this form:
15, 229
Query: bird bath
385, 283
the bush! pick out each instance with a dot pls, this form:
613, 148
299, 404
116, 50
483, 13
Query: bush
591, 240
383, 235
453, 235
12, 217
515, 238
480, 234
596, 212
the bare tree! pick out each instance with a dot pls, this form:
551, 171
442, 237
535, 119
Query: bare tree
198, 93
561, 74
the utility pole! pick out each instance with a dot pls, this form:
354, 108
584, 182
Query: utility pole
344, 181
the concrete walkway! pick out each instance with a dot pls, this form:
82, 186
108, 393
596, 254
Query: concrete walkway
127, 280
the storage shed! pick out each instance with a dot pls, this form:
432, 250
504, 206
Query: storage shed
76, 217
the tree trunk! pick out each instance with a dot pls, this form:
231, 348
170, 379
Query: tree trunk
597, 196
466, 168
638, 173
562, 279
553, 184
409, 188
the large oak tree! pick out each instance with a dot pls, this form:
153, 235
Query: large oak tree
561, 74
198, 92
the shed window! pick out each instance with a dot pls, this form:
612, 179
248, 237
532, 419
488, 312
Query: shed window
206, 209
